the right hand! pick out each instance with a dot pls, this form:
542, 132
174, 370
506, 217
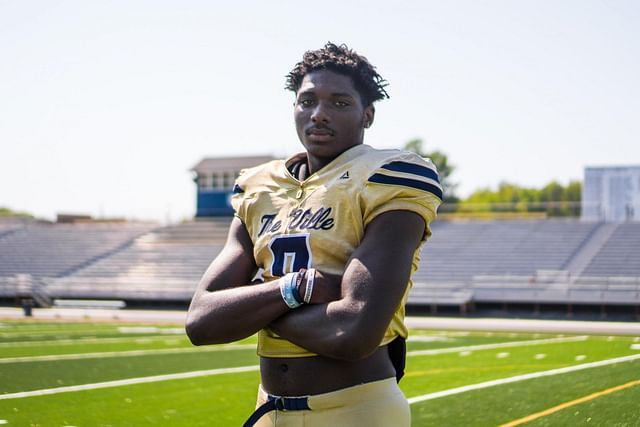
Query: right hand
326, 288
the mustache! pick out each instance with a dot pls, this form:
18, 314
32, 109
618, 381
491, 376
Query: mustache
319, 127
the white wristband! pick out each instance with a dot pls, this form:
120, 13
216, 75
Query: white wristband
286, 290
308, 290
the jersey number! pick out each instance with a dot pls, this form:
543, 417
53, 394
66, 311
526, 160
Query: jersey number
290, 253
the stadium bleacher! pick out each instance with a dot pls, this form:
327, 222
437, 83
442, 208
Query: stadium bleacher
9, 226
465, 263
162, 265
550, 261
56, 250
33, 252
619, 256
459, 250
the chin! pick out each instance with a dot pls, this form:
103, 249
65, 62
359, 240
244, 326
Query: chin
321, 151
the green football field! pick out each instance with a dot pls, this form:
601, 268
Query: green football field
118, 374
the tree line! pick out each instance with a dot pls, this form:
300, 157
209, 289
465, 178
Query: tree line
553, 199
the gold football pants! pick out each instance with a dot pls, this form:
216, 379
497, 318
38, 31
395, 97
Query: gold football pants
375, 404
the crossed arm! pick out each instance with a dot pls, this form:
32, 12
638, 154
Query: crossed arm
348, 315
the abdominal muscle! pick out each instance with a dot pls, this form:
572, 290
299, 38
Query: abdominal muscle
317, 374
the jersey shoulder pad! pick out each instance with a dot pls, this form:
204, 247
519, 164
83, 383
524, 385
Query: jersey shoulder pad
406, 169
249, 178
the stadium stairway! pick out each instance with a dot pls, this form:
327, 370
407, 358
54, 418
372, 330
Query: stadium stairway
583, 256
619, 255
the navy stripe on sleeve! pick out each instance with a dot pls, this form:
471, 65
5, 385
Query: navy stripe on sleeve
412, 168
393, 180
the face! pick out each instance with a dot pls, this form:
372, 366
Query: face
329, 115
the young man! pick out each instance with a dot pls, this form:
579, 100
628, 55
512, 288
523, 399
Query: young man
337, 232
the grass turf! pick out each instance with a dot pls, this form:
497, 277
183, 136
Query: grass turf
227, 399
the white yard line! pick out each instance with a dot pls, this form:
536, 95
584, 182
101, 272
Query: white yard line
138, 338
493, 346
523, 325
524, 377
129, 353
45, 333
129, 381
416, 399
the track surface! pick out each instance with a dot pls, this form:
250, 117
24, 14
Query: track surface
440, 323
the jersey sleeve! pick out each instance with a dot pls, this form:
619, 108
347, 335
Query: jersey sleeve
410, 183
239, 196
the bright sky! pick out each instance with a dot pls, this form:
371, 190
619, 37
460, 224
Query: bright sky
106, 105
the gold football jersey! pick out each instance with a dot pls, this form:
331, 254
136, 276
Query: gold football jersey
320, 221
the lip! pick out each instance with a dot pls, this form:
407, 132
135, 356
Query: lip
319, 131
319, 137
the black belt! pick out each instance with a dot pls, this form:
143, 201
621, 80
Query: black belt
278, 403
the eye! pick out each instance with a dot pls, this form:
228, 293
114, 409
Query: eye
341, 104
305, 102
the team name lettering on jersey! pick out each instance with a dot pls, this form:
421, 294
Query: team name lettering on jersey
308, 220
300, 219
268, 225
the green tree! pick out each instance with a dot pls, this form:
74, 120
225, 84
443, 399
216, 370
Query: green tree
445, 169
574, 191
554, 199
4, 211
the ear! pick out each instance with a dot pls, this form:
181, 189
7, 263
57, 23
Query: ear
369, 115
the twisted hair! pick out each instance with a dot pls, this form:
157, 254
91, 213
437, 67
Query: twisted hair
369, 84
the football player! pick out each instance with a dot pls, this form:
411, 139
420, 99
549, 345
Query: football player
336, 232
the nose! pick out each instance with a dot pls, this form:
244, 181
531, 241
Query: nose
319, 114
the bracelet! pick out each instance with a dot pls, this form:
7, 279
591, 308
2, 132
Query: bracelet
297, 283
308, 290
287, 284
296, 293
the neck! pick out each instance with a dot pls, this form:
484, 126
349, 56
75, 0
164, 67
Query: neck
315, 163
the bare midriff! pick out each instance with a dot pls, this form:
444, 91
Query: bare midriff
314, 375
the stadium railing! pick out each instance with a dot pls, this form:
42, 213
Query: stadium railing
563, 290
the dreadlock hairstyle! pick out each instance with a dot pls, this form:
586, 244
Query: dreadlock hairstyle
369, 84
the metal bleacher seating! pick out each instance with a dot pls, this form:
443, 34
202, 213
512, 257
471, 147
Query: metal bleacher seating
539, 261
530, 262
460, 250
55, 250
33, 252
620, 255
162, 265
